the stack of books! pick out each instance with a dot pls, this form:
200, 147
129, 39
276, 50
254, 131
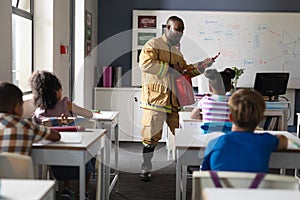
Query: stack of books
111, 77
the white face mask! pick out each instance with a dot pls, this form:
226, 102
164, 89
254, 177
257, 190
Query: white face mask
174, 36
175, 33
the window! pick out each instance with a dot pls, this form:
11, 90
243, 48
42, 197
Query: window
22, 43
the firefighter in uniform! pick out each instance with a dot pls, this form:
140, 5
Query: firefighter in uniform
160, 62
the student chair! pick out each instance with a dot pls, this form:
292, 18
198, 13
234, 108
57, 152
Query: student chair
28, 105
13, 165
228, 179
86, 123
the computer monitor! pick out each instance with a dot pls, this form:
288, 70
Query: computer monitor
271, 84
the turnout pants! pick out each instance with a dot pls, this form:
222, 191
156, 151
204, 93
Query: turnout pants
152, 124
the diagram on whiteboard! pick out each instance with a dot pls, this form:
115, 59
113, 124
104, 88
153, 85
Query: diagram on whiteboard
254, 41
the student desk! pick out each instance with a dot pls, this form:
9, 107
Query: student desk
248, 194
109, 120
27, 189
186, 122
190, 146
72, 154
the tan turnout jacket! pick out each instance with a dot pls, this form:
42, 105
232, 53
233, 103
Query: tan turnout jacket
158, 88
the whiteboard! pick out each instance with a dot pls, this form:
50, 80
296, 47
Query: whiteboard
254, 41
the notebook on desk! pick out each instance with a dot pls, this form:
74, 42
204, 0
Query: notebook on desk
102, 115
70, 137
67, 128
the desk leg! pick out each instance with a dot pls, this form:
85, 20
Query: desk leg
100, 175
178, 178
82, 178
116, 175
298, 136
184, 180
111, 129
107, 163
39, 172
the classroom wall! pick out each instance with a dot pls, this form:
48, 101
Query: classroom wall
85, 65
115, 17
61, 35
91, 61
5, 40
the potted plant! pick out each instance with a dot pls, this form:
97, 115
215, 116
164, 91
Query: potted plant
238, 73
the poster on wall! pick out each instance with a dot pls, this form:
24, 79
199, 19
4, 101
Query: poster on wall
144, 37
88, 33
147, 22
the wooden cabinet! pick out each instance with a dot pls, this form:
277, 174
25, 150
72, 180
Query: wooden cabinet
127, 102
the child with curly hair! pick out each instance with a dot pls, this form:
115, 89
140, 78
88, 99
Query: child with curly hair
47, 97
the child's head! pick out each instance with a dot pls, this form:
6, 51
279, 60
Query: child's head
247, 108
11, 99
220, 82
46, 89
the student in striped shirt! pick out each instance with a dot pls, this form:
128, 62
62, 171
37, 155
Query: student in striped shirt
215, 108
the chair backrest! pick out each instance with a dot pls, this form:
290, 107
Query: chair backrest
86, 122
28, 106
13, 165
202, 179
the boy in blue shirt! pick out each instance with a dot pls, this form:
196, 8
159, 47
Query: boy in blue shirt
242, 149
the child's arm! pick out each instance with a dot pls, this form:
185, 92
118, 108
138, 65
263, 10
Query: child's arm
79, 110
196, 113
283, 142
53, 136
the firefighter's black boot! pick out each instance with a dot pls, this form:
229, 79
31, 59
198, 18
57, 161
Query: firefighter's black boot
148, 152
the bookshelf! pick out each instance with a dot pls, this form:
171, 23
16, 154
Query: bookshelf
278, 119
276, 116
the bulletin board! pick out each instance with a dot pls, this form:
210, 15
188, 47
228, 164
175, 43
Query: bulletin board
254, 41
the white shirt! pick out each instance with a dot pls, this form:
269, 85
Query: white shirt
214, 108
